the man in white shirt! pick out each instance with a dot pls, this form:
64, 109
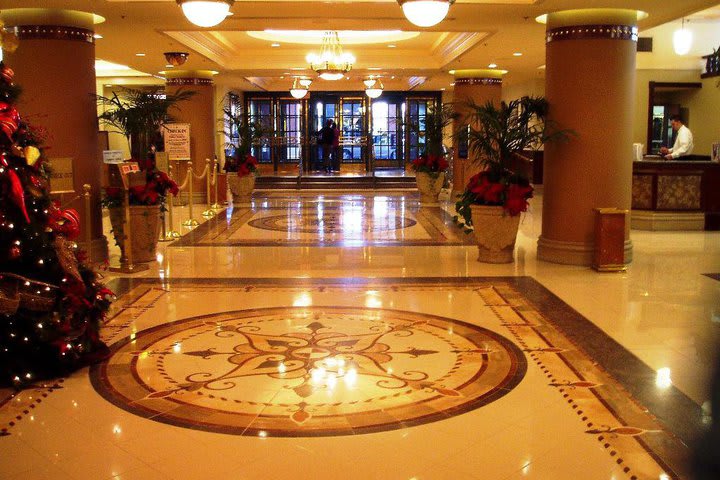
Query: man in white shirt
683, 140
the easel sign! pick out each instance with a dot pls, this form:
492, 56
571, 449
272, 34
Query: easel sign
113, 156
61, 175
177, 141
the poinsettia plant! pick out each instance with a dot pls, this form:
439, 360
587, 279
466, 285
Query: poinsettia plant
495, 134
157, 186
241, 164
430, 163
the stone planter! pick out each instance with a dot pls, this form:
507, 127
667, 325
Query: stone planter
144, 230
495, 232
429, 186
241, 187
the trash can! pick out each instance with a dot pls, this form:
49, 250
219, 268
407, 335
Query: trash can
610, 240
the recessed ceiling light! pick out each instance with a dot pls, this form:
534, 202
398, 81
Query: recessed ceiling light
392, 46
452, 84
442, 88
139, 54
517, 54
393, 77
452, 72
297, 68
274, 44
374, 68
282, 76
108, 85
169, 66
492, 65
97, 36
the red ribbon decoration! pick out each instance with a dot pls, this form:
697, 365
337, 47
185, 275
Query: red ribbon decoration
17, 194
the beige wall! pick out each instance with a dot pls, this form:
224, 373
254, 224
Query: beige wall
534, 87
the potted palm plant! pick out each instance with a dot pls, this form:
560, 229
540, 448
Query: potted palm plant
139, 115
431, 164
494, 198
241, 165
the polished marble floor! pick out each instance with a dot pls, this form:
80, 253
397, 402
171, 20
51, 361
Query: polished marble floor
384, 358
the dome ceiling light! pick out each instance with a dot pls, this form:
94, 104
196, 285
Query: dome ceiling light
425, 13
682, 40
373, 87
299, 90
331, 63
206, 13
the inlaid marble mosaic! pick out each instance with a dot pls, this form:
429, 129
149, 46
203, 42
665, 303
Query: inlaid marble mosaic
330, 220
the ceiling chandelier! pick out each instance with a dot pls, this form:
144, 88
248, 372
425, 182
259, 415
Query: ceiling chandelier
373, 87
682, 40
425, 13
300, 87
206, 13
332, 63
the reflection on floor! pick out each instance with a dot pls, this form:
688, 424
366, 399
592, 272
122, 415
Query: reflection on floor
381, 359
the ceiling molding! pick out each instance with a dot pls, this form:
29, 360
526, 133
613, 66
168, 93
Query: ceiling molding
454, 45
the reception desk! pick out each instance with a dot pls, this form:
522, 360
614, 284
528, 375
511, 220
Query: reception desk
675, 195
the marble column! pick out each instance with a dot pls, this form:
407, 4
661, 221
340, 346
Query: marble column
199, 112
476, 86
55, 66
590, 83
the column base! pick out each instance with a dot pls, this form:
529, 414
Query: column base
657, 221
98, 249
573, 253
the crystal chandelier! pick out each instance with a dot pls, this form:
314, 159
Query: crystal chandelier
425, 13
332, 63
206, 13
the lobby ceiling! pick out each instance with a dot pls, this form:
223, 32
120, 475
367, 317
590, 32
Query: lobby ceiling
475, 33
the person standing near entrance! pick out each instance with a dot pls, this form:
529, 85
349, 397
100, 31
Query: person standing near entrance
336, 148
683, 141
326, 137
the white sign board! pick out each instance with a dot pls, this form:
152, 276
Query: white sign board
177, 140
112, 156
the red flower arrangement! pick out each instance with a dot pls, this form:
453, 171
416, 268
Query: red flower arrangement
241, 164
156, 188
430, 163
495, 188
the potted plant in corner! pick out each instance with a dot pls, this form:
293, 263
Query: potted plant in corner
494, 198
431, 164
241, 165
139, 115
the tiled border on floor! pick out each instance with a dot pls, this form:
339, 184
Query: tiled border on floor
680, 415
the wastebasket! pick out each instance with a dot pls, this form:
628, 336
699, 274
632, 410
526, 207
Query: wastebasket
610, 240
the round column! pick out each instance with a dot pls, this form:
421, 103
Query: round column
590, 83
55, 66
199, 112
476, 86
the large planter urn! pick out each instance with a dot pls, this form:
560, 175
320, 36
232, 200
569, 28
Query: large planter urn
495, 232
429, 186
241, 187
144, 231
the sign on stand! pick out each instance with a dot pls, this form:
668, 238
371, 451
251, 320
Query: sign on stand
113, 156
177, 141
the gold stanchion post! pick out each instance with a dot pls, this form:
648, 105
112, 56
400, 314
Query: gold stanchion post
209, 212
171, 234
88, 220
190, 222
216, 171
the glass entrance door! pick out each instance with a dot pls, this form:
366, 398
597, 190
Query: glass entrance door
352, 133
417, 109
323, 108
387, 137
288, 141
261, 110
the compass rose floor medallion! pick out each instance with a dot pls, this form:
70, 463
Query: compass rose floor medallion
309, 371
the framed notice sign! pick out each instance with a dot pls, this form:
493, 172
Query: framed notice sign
177, 140
61, 175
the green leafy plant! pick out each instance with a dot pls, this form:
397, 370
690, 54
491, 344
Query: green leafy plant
242, 135
139, 115
496, 134
434, 131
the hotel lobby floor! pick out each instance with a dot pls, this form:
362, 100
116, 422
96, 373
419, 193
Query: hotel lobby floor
322, 335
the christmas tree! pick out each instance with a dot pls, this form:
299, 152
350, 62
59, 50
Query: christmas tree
51, 303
